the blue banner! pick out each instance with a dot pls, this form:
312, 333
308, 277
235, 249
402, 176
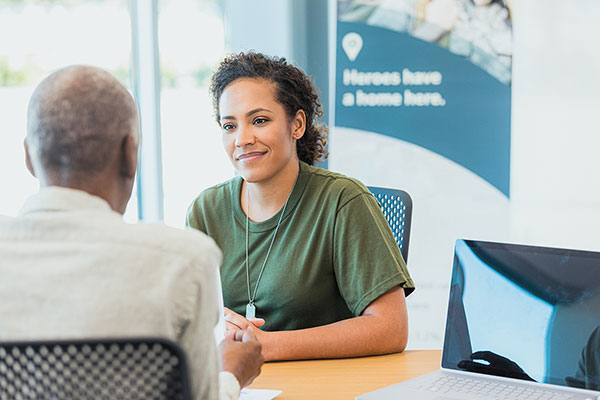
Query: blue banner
393, 83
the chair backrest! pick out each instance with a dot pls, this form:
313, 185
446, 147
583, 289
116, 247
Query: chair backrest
397, 209
94, 369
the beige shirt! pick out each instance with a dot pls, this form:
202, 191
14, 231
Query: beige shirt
70, 267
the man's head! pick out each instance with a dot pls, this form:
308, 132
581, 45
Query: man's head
82, 133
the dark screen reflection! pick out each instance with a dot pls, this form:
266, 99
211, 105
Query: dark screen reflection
525, 312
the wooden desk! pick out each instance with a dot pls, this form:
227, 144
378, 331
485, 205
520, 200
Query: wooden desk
344, 378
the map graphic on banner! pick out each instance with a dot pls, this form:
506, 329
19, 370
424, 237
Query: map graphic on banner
423, 103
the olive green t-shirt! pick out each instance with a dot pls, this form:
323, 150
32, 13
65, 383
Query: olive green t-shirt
334, 252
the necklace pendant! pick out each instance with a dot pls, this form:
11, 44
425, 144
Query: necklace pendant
250, 311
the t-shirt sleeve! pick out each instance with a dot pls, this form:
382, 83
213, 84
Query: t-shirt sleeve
194, 217
367, 260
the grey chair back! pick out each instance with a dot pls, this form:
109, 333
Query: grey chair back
396, 206
146, 368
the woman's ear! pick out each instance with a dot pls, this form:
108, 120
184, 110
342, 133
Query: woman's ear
299, 125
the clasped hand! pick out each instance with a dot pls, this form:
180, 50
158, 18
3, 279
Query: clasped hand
241, 354
235, 322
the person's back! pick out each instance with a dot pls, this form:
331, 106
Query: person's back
71, 268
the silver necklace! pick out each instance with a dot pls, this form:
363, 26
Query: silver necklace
250, 307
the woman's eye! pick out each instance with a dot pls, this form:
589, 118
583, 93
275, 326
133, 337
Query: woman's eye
260, 121
228, 127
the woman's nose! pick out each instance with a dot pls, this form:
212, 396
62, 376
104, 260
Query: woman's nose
244, 136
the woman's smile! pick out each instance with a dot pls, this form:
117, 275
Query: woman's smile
250, 156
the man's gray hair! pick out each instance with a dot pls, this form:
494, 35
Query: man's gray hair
77, 119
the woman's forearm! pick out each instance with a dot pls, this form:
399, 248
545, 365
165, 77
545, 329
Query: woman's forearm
360, 336
382, 328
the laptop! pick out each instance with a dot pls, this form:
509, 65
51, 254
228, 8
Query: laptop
523, 322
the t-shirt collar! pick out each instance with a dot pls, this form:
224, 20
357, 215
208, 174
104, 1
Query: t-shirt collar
271, 223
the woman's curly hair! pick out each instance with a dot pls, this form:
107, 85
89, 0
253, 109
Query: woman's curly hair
293, 90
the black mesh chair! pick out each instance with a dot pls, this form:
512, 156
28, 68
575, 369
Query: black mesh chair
94, 369
397, 209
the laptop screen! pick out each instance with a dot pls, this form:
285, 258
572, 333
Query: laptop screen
525, 312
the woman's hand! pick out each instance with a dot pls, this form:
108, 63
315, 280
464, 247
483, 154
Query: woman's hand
235, 322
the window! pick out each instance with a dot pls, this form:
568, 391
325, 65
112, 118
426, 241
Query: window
191, 44
36, 38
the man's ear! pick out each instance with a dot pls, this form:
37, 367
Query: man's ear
129, 156
28, 159
299, 125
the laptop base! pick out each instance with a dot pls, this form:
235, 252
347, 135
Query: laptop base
442, 385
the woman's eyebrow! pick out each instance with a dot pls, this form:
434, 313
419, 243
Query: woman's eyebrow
249, 113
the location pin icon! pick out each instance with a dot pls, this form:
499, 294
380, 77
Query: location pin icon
352, 44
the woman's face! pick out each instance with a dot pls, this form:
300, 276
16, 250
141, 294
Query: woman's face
258, 136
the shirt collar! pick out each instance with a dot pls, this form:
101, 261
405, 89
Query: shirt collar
55, 198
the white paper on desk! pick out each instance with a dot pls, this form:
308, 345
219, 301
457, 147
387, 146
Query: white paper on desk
258, 394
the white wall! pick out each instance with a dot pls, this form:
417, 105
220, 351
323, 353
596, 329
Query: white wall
555, 179
272, 27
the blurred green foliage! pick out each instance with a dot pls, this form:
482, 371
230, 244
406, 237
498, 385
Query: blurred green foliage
29, 73
202, 75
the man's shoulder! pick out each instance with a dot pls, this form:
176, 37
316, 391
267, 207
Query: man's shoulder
178, 242
6, 226
106, 232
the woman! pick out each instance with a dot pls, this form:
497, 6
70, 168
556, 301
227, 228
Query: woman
305, 249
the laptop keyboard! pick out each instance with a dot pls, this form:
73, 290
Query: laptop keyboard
492, 390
